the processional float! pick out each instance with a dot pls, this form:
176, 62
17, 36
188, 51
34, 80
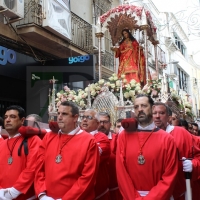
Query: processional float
139, 21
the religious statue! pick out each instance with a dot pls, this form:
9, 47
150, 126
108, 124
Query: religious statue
131, 59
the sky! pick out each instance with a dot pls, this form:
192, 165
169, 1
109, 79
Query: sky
191, 11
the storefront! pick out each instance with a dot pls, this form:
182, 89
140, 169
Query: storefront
13, 78
75, 72
19, 83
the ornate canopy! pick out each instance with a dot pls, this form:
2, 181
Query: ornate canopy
126, 16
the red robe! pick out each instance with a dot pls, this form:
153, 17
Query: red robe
186, 148
131, 62
113, 184
157, 175
196, 183
102, 181
20, 174
128, 54
74, 177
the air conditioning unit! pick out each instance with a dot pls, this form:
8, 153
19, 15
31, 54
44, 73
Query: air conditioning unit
96, 42
12, 9
57, 18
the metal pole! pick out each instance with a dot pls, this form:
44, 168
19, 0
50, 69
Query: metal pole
99, 36
114, 60
188, 186
146, 51
156, 56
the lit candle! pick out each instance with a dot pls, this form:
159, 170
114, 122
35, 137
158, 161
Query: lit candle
99, 28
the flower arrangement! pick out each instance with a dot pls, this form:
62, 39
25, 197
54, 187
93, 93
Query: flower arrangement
153, 86
65, 95
129, 90
81, 98
175, 97
183, 103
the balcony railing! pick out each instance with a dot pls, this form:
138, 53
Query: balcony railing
107, 60
81, 34
81, 30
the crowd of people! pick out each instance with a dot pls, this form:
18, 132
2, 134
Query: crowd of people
87, 158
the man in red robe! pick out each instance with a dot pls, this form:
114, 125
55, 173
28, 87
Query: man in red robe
104, 126
185, 145
1, 127
17, 164
196, 183
67, 161
118, 125
90, 123
146, 158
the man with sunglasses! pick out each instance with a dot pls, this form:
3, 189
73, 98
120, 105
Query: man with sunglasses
104, 126
187, 150
90, 123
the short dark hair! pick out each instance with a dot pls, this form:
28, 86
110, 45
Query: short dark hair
21, 111
169, 111
105, 114
195, 124
150, 100
183, 122
74, 107
118, 121
37, 117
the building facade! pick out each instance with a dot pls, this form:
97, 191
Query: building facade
54, 29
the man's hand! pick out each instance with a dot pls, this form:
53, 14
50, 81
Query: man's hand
187, 165
115, 49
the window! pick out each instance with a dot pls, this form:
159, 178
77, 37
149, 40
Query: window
99, 8
179, 44
195, 82
183, 80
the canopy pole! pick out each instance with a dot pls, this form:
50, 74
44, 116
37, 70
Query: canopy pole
99, 36
144, 28
155, 43
114, 60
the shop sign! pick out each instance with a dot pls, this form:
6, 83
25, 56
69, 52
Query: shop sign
78, 59
7, 56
